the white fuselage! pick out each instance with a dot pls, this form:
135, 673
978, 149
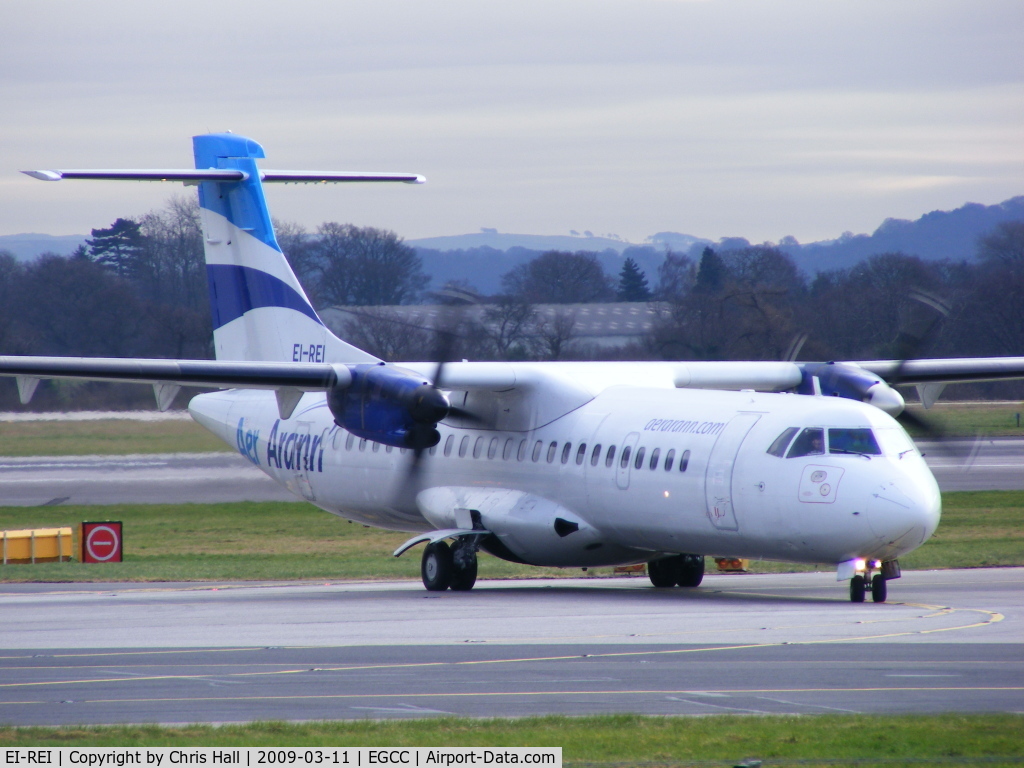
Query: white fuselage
550, 500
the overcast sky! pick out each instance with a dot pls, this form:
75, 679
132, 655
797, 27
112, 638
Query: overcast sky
714, 118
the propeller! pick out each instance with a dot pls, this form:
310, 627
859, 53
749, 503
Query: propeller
429, 403
921, 321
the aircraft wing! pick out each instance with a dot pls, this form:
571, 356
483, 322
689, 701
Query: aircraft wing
947, 371
288, 380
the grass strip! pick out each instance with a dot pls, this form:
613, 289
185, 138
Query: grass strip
107, 437
613, 740
294, 540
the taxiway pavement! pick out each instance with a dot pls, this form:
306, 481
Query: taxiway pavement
787, 643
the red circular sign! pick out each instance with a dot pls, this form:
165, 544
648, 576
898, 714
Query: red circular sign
101, 543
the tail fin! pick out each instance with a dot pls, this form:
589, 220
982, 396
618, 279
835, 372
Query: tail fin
260, 311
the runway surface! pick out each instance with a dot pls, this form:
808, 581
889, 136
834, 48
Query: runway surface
790, 643
180, 478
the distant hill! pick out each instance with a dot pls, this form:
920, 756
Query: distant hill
483, 267
503, 241
937, 235
26, 247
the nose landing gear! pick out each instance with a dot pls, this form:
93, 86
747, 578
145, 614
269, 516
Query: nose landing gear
863, 580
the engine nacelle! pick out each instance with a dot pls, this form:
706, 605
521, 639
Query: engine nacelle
389, 405
850, 381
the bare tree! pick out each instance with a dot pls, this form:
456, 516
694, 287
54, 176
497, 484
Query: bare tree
364, 266
381, 332
508, 324
555, 332
559, 277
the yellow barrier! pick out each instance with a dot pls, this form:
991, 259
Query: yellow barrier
41, 545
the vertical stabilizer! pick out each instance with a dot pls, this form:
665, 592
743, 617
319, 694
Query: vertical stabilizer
260, 311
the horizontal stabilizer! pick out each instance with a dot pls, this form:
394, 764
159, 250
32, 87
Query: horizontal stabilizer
193, 176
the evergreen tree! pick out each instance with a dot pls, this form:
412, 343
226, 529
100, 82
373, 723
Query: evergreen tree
711, 272
119, 247
632, 283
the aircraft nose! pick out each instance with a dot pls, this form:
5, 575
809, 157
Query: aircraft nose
904, 511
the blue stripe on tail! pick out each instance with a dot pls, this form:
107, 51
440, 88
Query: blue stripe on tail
235, 290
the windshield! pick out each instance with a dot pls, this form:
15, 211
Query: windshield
894, 442
860, 441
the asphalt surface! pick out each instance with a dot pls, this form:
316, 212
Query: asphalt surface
171, 478
791, 643
218, 477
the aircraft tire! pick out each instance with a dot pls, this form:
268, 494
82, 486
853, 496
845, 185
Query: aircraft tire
858, 586
690, 570
662, 573
437, 567
879, 589
464, 567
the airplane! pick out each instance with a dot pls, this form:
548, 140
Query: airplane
566, 464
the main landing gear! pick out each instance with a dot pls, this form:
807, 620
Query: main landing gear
678, 570
445, 567
863, 581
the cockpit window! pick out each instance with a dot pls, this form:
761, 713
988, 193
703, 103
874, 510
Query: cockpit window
894, 441
778, 448
853, 441
810, 442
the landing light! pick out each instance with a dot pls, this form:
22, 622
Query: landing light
666, 494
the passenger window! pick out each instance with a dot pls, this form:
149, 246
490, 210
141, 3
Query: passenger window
432, 451
376, 446
595, 455
521, 453
670, 457
655, 455
492, 448
639, 458
624, 461
860, 441
810, 442
552, 450
448, 445
362, 444
463, 446
610, 457
581, 453
684, 461
507, 450
778, 448
349, 440
478, 447
388, 448
537, 447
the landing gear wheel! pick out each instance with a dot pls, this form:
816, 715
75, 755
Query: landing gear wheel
690, 571
681, 570
858, 586
464, 566
436, 567
662, 573
879, 591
